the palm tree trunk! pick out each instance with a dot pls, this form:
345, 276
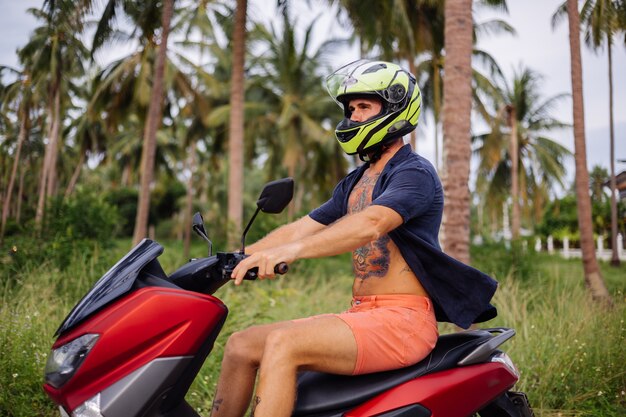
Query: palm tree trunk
126, 174
436, 106
515, 213
152, 124
189, 200
614, 250
45, 170
593, 277
20, 194
21, 137
51, 185
235, 141
291, 171
457, 105
43, 179
72, 185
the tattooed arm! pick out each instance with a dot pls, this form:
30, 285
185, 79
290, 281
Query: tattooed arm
349, 233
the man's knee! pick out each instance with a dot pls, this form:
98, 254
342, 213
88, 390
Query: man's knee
239, 347
281, 347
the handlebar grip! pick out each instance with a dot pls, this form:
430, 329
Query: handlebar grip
279, 269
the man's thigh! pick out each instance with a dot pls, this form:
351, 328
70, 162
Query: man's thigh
251, 341
323, 343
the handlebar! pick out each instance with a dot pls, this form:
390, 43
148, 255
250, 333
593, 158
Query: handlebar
229, 260
279, 269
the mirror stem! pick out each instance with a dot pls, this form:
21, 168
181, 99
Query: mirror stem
245, 232
202, 234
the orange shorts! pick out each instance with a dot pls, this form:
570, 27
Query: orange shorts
391, 331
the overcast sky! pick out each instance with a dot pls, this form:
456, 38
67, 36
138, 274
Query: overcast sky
536, 46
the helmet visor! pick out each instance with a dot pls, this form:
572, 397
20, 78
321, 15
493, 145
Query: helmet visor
363, 77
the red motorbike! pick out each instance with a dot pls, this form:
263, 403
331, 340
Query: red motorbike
135, 342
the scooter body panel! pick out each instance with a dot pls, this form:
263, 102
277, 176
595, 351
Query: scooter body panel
457, 392
135, 330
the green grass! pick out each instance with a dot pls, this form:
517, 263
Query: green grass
570, 351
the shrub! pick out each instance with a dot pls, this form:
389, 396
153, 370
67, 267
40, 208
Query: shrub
125, 201
85, 215
74, 227
499, 262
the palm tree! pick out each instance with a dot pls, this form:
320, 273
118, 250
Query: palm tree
457, 107
598, 177
593, 276
22, 120
521, 152
413, 31
621, 17
429, 70
146, 17
54, 55
191, 20
89, 137
431, 57
293, 103
600, 18
235, 131
22, 95
382, 24
152, 124
602, 21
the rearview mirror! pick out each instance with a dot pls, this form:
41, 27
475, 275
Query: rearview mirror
275, 196
198, 227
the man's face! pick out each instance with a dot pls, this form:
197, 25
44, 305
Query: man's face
363, 109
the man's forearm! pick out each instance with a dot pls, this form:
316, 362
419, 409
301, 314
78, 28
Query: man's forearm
310, 239
348, 234
286, 234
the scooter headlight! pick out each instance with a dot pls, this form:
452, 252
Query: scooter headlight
64, 361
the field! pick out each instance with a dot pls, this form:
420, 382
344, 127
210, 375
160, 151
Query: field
570, 351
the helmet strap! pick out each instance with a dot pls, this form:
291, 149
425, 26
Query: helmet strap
373, 156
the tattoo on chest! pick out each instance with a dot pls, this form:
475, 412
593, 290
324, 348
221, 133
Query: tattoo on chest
372, 259
361, 195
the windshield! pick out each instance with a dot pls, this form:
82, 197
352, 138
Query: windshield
116, 282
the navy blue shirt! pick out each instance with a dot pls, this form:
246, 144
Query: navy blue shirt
409, 185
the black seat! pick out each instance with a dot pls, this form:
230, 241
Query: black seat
319, 392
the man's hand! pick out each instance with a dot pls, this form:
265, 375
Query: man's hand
265, 261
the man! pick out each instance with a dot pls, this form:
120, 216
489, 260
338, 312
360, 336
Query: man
387, 212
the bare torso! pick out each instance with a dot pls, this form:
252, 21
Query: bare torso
379, 267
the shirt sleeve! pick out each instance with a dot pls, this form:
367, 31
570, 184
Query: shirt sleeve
331, 210
409, 192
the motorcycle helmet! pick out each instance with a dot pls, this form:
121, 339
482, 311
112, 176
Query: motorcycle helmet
398, 92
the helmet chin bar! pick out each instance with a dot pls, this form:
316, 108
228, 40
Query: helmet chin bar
376, 153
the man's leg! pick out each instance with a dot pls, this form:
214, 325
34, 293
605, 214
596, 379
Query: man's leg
323, 344
240, 363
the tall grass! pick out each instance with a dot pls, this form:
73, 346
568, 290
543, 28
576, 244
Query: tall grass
570, 351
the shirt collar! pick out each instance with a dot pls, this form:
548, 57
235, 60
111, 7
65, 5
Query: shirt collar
399, 156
